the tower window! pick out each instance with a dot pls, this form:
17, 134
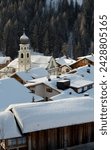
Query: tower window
27, 55
22, 55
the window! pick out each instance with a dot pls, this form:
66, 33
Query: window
27, 55
12, 142
24, 47
90, 86
79, 90
49, 90
22, 141
22, 55
67, 70
17, 141
52, 65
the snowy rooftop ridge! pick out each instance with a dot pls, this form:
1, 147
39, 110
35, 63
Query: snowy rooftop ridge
54, 114
65, 61
89, 57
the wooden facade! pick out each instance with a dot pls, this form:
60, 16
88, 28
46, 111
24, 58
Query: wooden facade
63, 137
82, 62
53, 139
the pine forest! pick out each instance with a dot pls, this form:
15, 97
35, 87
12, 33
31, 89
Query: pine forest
63, 28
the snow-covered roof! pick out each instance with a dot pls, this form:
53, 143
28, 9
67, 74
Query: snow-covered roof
89, 57
3, 60
70, 93
40, 61
12, 92
36, 61
32, 73
75, 79
54, 114
65, 61
13, 64
80, 83
8, 127
82, 71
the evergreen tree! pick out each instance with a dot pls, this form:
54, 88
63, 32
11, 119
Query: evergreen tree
47, 27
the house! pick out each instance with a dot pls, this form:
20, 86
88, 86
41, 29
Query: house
81, 86
53, 125
64, 69
82, 61
47, 87
86, 72
13, 92
64, 64
43, 89
31, 74
47, 62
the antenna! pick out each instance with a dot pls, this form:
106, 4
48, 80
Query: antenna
23, 29
33, 99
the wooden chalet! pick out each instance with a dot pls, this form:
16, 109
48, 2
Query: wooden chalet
83, 61
53, 139
53, 125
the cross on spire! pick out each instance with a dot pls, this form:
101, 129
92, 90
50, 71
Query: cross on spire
23, 30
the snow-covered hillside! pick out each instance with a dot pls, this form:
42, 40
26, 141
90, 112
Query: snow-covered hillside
55, 2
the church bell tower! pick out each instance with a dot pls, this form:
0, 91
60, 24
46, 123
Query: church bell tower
24, 57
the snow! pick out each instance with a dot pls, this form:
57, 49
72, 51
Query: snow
89, 57
65, 61
76, 79
12, 92
3, 60
36, 61
82, 71
40, 61
70, 93
54, 114
55, 2
8, 127
80, 83
32, 73
13, 64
